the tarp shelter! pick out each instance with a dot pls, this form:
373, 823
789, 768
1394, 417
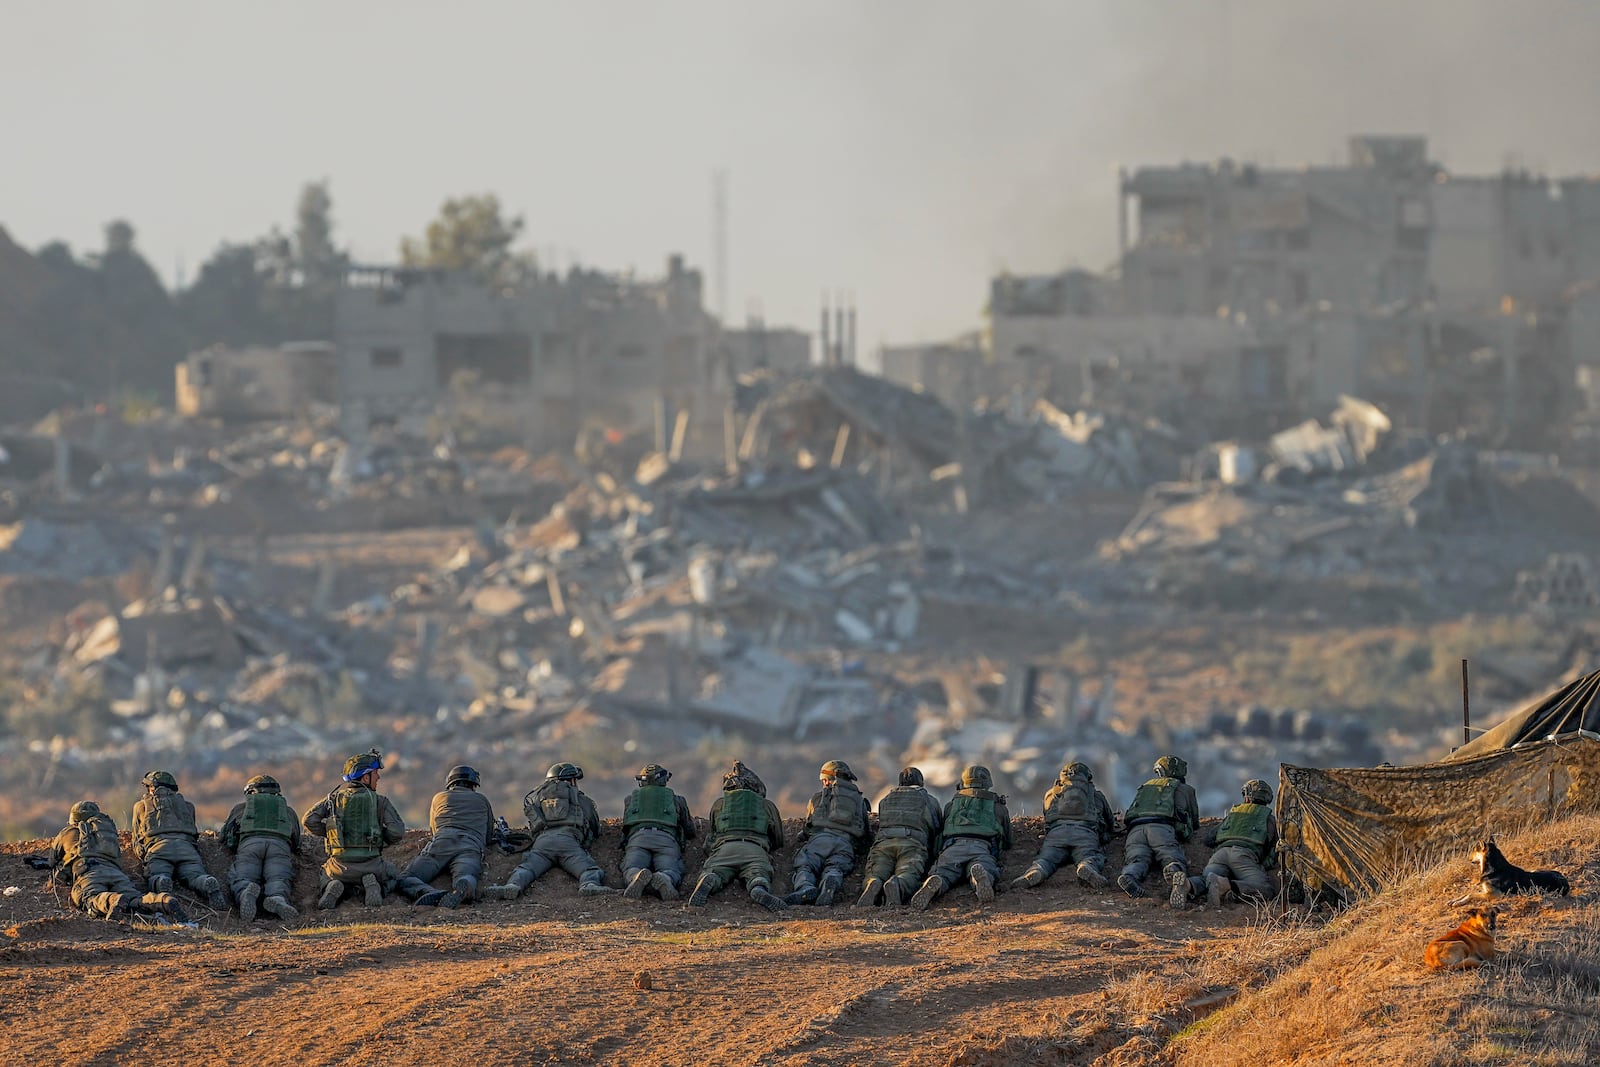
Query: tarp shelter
1351, 829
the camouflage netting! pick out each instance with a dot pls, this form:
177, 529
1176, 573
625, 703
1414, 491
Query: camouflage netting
1350, 830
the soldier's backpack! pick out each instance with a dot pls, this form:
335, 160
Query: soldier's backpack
354, 831
1073, 802
169, 813
97, 840
1156, 799
972, 816
552, 805
839, 807
266, 813
743, 814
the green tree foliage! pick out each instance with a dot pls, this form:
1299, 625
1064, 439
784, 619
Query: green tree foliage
473, 235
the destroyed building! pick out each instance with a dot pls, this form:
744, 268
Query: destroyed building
558, 353
256, 382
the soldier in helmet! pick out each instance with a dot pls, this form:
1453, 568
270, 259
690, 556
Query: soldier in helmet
1164, 814
164, 836
1246, 843
909, 821
836, 827
655, 825
564, 823
462, 823
977, 828
87, 855
358, 823
1078, 826
745, 829
264, 834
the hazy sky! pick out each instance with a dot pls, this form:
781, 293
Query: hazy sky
905, 149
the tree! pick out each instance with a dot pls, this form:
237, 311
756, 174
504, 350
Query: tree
471, 235
319, 262
119, 237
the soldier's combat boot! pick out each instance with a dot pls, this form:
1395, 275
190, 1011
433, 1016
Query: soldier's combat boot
161, 883
1090, 877
595, 889
501, 892
870, 893
1178, 898
637, 884
330, 895
1217, 890
702, 892
763, 896
982, 883
662, 882
806, 895
247, 902
893, 897
1130, 885
930, 889
280, 907
430, 899
373, 890
216, 896
1028, 879
830, 886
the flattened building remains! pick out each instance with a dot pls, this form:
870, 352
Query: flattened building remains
1255, 295
555, 355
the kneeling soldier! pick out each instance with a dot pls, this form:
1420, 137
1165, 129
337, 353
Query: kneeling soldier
461, 820
1247, 846
977, 828
164, 836
264, 834
1077, 819
563, 823
358, 823
655, 825
835, 827
909, 821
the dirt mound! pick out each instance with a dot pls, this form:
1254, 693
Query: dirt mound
64, 928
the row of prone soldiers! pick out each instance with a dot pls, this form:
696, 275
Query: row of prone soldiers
914, 850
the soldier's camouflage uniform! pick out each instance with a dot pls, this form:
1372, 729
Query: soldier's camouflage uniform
836, 827
164, 837
87, 854
909, 824
264, 833
462, 822
358, 823
563, 822
656, 824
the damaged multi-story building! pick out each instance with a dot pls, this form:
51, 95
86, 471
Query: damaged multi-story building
556, 354
1262, 293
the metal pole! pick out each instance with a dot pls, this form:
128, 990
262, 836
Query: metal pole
1466, 708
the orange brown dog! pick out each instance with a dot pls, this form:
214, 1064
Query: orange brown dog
1469, 945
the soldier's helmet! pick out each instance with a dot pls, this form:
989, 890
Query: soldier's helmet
977, 777
1077, 769
82, 810
161, 778
742, 777
910, 776
462, 775
358, 766
262, 783
566, 772
653, 774
1171, 767
1257, 792
838, 768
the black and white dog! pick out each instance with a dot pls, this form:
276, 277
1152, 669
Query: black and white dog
1498, 876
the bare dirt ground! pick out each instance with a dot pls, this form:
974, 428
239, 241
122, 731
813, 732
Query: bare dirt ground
554, 978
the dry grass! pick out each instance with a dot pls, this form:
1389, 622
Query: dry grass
1363, 996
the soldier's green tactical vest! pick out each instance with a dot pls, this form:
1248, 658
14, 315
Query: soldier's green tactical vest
1245, 823
354, 831
552, 806
1073, 802
651, 805
169, 813
1156, 799
96, 839
972, 816
839, 807
265, 813
743, 814
904, 808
